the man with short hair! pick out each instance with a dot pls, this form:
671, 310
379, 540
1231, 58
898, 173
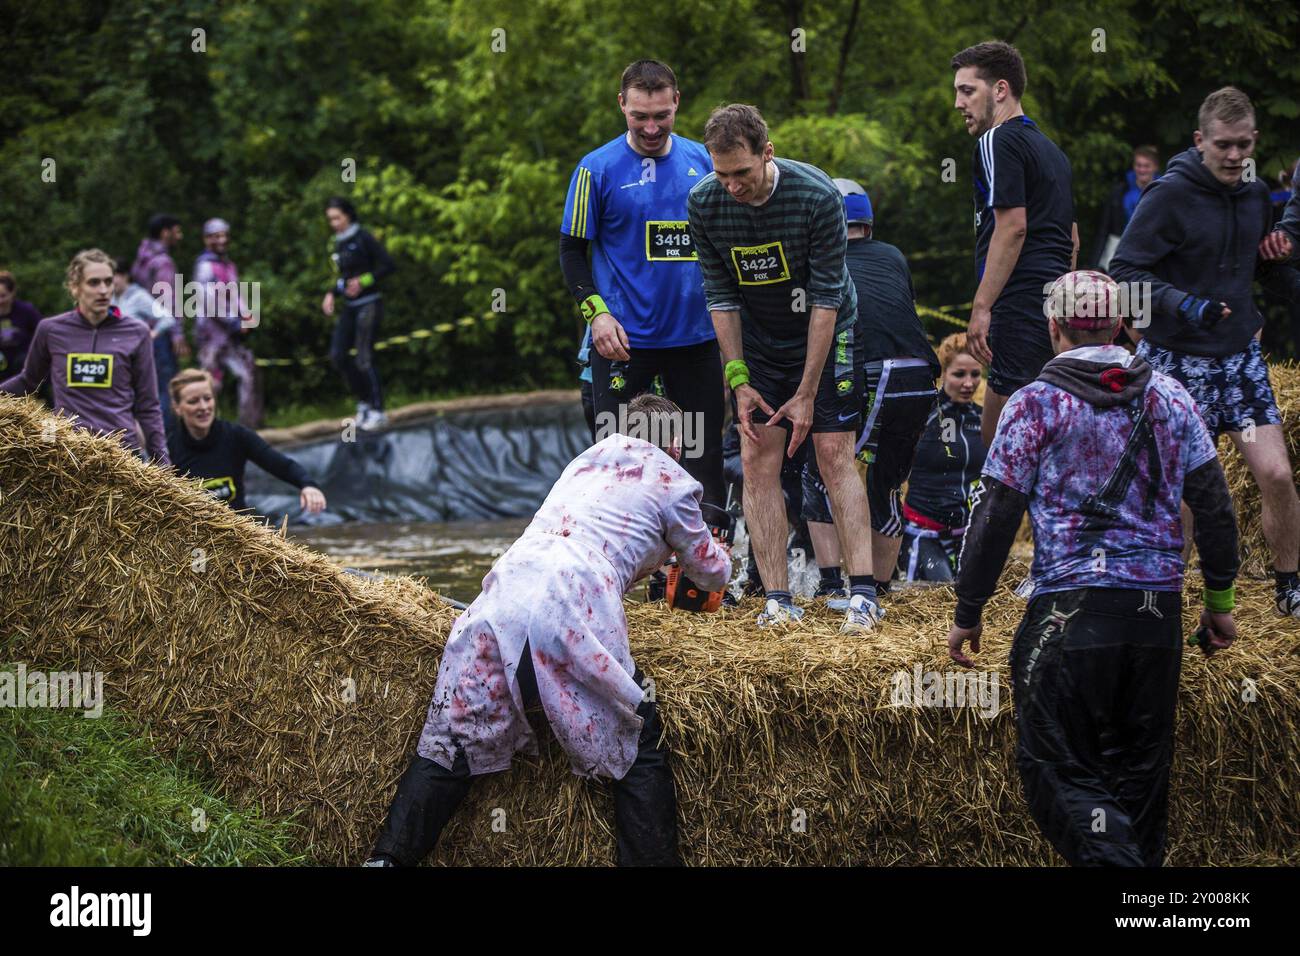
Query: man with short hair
641, 291
1025, 233
1194, 239
771, 238
549, 630
900, 369
1102, 449
154, 271
222, 327
1123, 199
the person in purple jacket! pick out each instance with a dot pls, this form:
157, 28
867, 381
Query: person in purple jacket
153, 266
99, 362
17, 325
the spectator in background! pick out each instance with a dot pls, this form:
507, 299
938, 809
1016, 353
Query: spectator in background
17, 326
362, 263
216, 452
154, 268
948, 460
1122, 201
1282, 286
98, 361
223, 322
135, 302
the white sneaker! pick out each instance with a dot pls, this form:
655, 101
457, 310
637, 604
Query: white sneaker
862, 614
776, 613
1288, 602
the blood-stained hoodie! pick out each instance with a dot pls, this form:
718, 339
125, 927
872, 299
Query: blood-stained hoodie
615, 514
1100, 520
1192, 235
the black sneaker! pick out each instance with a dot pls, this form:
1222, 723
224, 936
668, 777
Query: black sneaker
1288, 601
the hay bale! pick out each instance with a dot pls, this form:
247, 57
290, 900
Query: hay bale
1255, 554
787, 748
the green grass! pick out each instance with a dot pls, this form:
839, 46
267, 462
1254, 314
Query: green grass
92, 792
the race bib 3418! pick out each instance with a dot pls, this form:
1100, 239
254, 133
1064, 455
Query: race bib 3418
668, 241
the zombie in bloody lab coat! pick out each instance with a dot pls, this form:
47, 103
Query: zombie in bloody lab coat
548, 629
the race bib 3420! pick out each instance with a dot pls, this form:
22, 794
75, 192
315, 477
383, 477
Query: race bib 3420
90, 370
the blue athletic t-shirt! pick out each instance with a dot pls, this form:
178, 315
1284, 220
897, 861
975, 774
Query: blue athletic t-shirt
1015, 164
633, 209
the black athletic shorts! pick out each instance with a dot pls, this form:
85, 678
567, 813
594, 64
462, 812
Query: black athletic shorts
1019, 340
837, 407
900, 395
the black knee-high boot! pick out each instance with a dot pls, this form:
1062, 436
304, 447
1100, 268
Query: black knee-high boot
426, 798
645, 801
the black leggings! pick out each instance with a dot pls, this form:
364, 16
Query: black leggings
692, 377
356, 328
645, 800
1095, 682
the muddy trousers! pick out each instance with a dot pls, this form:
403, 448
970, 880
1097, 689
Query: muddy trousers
1095, 675
645, 800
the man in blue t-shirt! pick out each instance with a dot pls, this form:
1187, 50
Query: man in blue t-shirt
642, 293
1025, 233
1103, 450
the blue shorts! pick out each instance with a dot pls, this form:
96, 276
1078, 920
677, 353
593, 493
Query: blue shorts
1232, 392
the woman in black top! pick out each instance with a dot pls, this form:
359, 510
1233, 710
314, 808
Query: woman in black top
949, 458
362, 264
215, 451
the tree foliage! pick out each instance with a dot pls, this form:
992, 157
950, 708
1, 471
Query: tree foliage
463, 120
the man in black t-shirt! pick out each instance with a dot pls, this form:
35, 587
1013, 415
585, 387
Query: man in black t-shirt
1025, 232
899, 369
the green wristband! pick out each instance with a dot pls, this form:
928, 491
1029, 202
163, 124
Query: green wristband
737, 373
366, 280
1220, 602
592, 306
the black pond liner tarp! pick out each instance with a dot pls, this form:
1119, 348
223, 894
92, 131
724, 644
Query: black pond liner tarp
453, 466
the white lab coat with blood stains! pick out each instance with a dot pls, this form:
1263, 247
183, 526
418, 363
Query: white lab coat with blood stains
613, 516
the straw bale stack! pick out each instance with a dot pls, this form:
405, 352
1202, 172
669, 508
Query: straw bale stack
302, 689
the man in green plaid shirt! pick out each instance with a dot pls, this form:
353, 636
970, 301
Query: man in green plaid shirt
771, 236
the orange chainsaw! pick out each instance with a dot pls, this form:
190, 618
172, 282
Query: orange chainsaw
683, 594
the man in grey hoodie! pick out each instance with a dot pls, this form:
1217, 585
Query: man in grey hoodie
1193, 241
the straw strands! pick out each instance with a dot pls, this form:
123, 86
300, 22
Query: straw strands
304, 688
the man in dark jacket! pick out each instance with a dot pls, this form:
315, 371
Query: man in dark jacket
1102, 450
1193, 242
1122, 201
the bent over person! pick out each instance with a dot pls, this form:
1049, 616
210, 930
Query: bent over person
1103, 450
549, 629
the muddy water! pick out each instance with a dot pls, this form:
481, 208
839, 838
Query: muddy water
452, 556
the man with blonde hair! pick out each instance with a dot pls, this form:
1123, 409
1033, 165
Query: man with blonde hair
99, 362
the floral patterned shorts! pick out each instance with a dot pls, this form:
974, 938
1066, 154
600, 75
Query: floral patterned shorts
1231, 392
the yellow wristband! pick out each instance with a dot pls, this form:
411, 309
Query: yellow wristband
592, 306
737, 373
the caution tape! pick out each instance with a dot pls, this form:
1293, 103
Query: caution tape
942, 316
406, 338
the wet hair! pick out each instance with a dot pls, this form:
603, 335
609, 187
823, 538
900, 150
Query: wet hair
343, 206
77, 267
159, 223
993, 61
1227, 105
951, 347
189, 376
656, 418
734, 126
648, 76
7, 280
